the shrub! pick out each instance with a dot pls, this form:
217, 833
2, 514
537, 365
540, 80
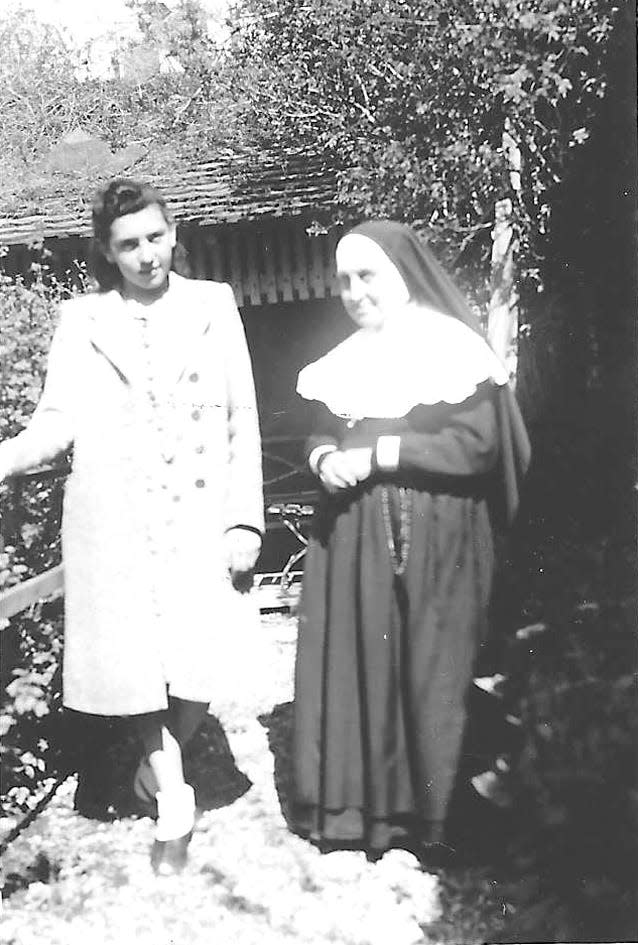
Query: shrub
27, 320
28, 313
574, 779
32, 644
33, 742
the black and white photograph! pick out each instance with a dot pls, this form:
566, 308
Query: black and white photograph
318, 472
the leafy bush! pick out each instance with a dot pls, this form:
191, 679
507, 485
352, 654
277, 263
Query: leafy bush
574, 781
27, 320
28, 314
33, 740
32, 644
10, 572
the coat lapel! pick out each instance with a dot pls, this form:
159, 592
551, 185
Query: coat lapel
112, 333
178, 328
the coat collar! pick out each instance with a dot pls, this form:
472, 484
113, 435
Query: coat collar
178, 327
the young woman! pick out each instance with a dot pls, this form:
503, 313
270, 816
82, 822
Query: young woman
417, 444
149, 379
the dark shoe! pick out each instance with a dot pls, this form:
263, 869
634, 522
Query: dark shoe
169, 857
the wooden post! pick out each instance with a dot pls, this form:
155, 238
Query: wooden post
197, 252
332, 283
252, 287
284, 272
236, 279
300, 265
268, 277
316, 267
502, 329
215, 253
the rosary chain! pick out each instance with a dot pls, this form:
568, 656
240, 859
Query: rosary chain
398, 558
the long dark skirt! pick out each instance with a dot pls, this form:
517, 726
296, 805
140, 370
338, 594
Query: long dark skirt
383, 667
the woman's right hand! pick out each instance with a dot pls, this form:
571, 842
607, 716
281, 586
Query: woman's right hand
343, 469
335, 471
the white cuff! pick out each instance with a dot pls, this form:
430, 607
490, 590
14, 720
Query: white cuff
317, 453
176, 813
387, 452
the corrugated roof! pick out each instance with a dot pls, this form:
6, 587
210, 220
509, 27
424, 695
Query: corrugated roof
221, 191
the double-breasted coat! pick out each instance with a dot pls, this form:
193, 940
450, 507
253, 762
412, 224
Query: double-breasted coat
158, 401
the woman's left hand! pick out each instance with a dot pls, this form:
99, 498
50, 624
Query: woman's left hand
359, 459
242, 550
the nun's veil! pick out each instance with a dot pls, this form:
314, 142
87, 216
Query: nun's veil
430, 285
427, 281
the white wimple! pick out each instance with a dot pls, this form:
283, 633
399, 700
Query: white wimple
420, 356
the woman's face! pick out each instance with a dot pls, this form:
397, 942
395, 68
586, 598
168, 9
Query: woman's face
141, 246
372, 288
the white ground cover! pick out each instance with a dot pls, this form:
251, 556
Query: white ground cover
249, 880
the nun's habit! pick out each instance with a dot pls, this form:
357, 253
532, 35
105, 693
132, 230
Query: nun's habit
399, 570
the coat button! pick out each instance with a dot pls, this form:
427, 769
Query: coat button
194, 377
196, 414
200, 483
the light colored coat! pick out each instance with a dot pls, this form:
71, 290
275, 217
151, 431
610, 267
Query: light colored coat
166, 458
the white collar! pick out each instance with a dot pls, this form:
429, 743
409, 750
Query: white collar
421, 357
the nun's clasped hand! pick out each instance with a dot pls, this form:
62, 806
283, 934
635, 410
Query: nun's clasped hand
343, 469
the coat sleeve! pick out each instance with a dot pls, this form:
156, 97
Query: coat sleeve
245, 498
466, 443
51, 428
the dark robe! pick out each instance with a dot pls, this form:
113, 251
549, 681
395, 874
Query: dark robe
384, 661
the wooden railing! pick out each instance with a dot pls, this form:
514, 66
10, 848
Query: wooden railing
20, 596
284, 510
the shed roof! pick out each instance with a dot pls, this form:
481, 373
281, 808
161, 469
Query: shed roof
226, 190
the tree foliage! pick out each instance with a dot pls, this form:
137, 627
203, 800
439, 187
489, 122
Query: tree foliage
166, 103
410, 97
413, 97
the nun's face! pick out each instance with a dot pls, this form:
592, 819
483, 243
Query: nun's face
372, 288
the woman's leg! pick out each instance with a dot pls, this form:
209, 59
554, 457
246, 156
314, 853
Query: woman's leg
164, 734
184, 718
162, 751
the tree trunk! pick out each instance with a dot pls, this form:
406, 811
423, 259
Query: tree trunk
502, 328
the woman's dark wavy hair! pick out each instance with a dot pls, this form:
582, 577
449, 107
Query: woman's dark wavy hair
118, 198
